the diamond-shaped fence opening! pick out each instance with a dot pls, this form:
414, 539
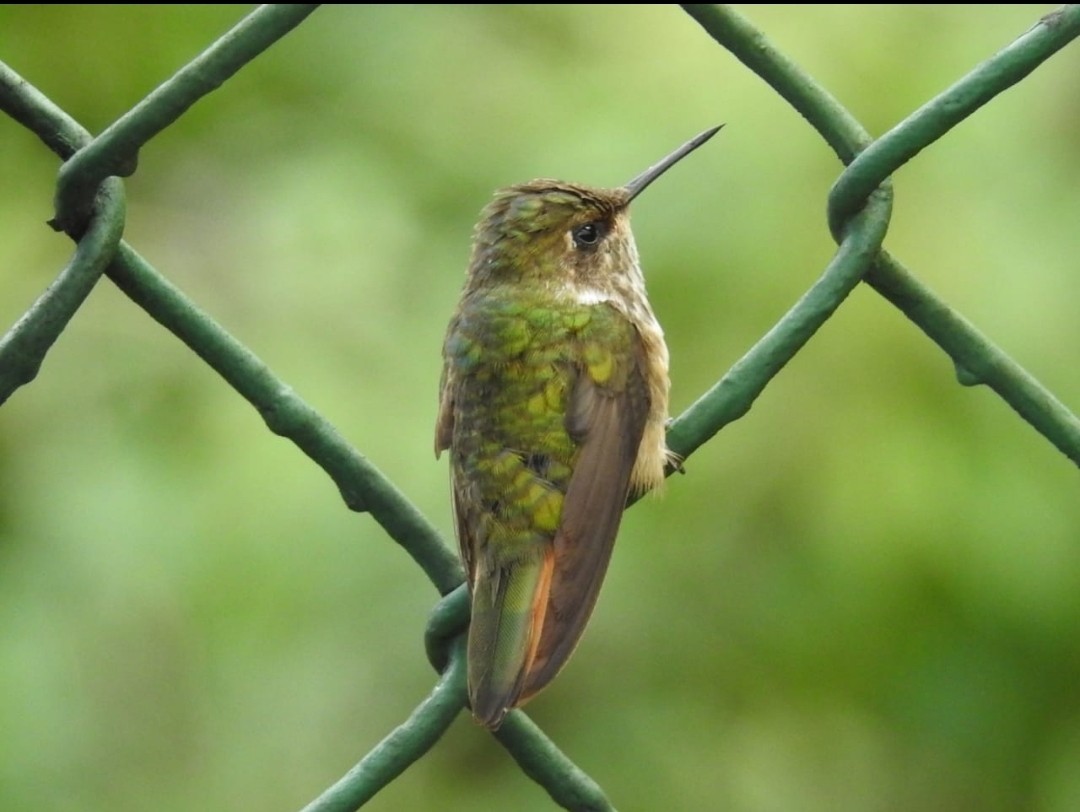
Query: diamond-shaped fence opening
91, 208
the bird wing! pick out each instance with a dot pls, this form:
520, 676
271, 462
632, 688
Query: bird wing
607, 416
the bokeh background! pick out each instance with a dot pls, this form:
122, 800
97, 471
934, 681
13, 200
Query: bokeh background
865, 595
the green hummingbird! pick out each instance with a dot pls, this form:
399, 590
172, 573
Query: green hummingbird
554, 404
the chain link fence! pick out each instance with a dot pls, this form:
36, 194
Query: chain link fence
90, 208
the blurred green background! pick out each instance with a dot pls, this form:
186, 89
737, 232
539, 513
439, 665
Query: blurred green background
865, 595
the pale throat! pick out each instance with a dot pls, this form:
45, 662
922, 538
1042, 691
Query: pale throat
623, 285
588, 295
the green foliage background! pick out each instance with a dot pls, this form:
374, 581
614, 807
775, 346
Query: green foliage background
865, 595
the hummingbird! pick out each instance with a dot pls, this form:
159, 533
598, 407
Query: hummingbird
554, 406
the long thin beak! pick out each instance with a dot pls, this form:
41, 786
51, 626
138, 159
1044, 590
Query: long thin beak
638, 184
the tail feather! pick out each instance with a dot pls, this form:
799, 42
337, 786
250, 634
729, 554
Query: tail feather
508, 608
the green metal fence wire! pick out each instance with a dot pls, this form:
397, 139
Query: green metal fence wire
859, 207
90, 207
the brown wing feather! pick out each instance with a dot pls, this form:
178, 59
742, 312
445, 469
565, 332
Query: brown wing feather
461, 528
610, 425
444, 423
444, 435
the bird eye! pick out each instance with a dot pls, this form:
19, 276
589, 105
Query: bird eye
587, 235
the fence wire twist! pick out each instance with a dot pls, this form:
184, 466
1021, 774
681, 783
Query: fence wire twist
90, 207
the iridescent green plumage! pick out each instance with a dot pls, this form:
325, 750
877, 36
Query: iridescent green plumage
554, 398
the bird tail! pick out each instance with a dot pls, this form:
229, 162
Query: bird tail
509, 603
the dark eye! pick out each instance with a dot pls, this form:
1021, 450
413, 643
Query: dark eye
588, 235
